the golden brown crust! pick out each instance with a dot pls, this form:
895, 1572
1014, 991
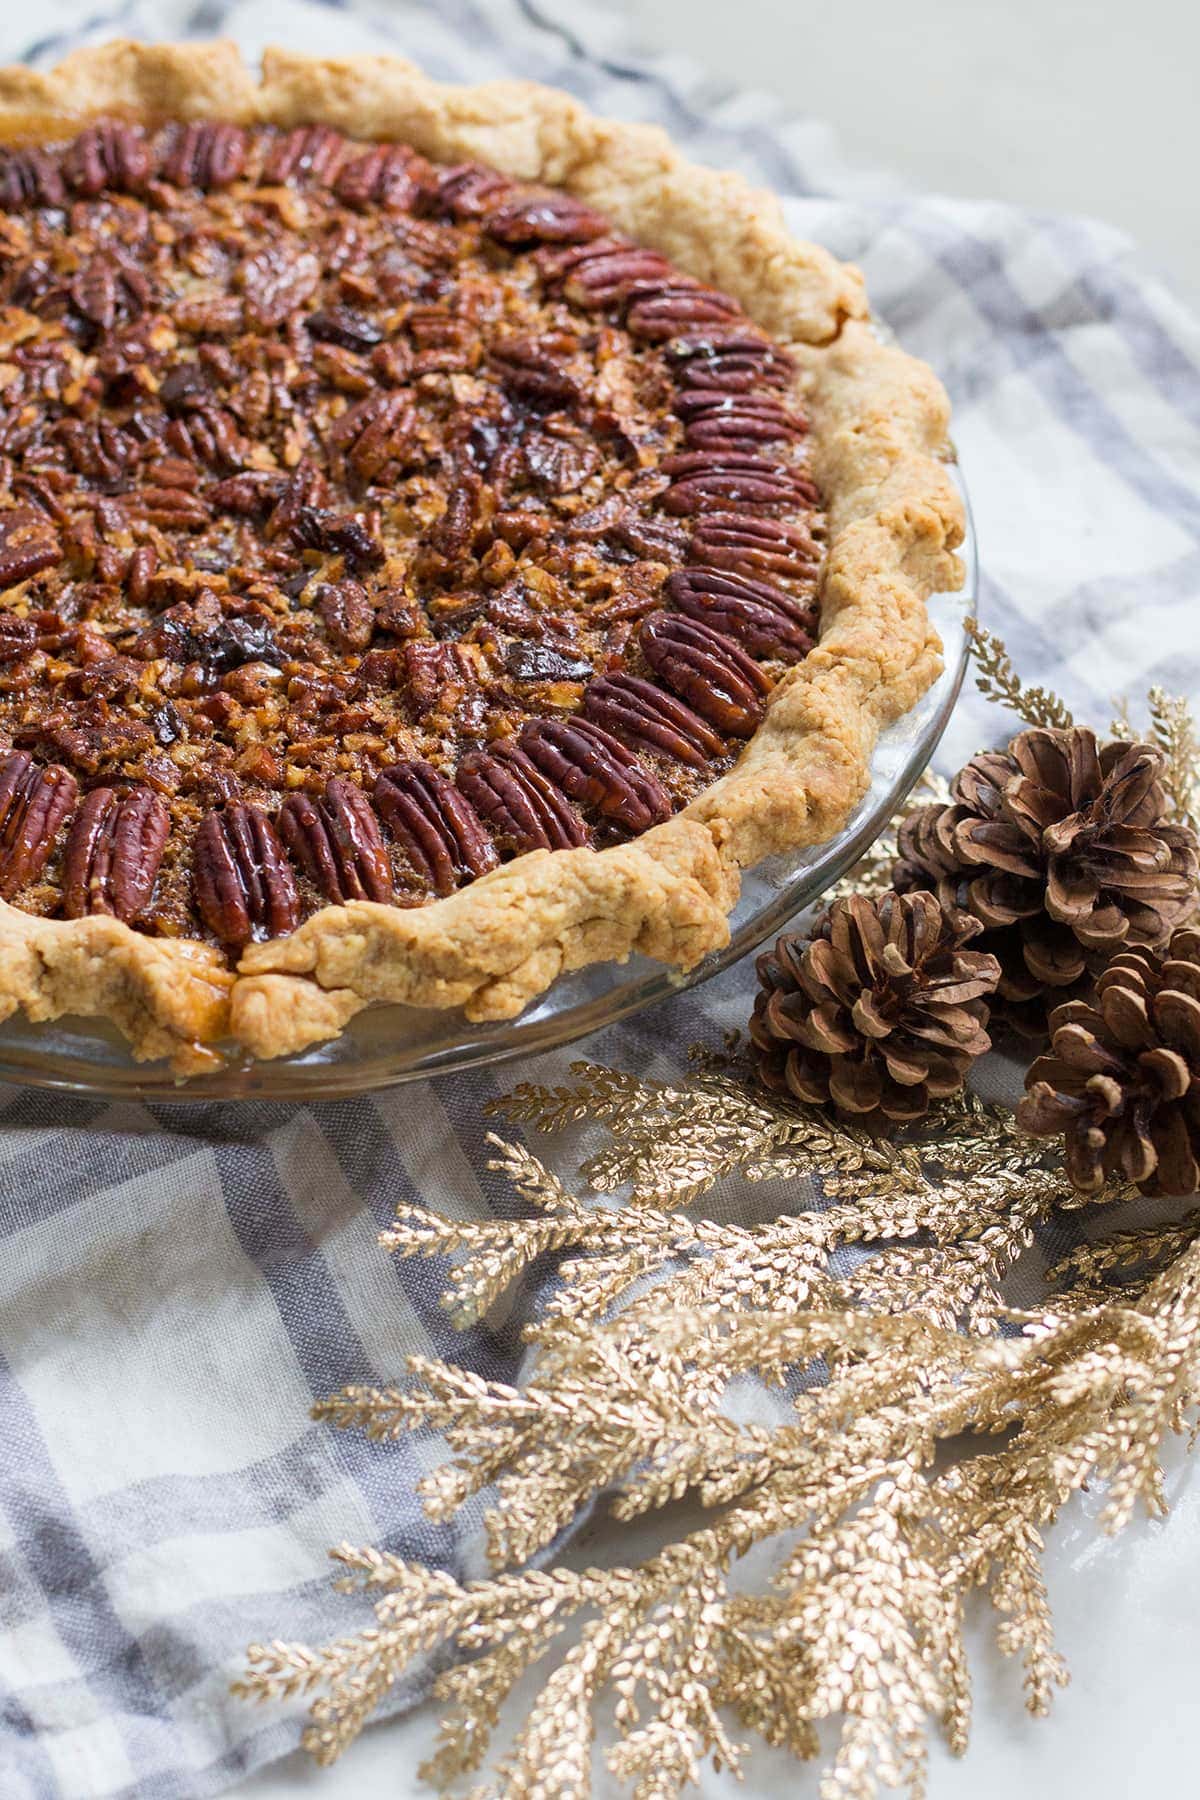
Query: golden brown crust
878, 441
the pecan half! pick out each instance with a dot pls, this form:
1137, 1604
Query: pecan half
435, 825
746, 545
28, 544
276, 282
309, 153
388, 175
676, 305
714, 421
468, 190
523, 808
33, 804
764, 620
337, 842
710, 480
708, 671
205, 156
108, 155
648, 717
107, 289
113, 852
242, 883
592, 767
605, 272
29, 178
346, 613
545, 218
732, 361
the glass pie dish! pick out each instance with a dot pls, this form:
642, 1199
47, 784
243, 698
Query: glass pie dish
386, 1045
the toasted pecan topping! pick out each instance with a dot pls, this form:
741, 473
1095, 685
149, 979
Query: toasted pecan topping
716, 677
244, 887
361, 522
765, 620
524, 807
113, 853
33, 804
336, 841
435, 826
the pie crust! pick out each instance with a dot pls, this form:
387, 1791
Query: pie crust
878, 447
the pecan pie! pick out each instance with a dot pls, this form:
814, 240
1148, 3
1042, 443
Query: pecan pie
443, 537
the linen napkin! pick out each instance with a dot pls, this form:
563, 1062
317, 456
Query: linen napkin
177, 1284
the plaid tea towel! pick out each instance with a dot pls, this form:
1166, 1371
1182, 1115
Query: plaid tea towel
178, 1284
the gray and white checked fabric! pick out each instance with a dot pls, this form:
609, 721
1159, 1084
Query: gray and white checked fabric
177, 1285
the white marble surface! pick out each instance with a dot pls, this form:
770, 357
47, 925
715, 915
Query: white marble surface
1089, 108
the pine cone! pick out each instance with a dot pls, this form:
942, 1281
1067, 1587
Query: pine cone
1064, 853
1121, 1079
880, 1011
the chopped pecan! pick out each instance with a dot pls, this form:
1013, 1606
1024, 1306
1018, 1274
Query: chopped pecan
435, 825
276, 282
542, 662
309, 153
28, 544
558, 465
764, 620
347, 613
320, 528
712, 674
89, 745
542, 218
524, 809
205, 156
677, 305
645, 715
337, 842
17, 637
248, 495
108, 155
590, 766
713, 480
113, 853
243, 885
29, 178
746, 545
33, 804
343, 326
534, 372
435, 675
375, 432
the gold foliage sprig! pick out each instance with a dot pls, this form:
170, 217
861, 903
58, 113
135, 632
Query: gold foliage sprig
997, 680
843, 1387
878, 1543
890, 1283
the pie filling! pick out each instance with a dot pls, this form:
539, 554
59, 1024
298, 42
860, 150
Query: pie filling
363, 523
